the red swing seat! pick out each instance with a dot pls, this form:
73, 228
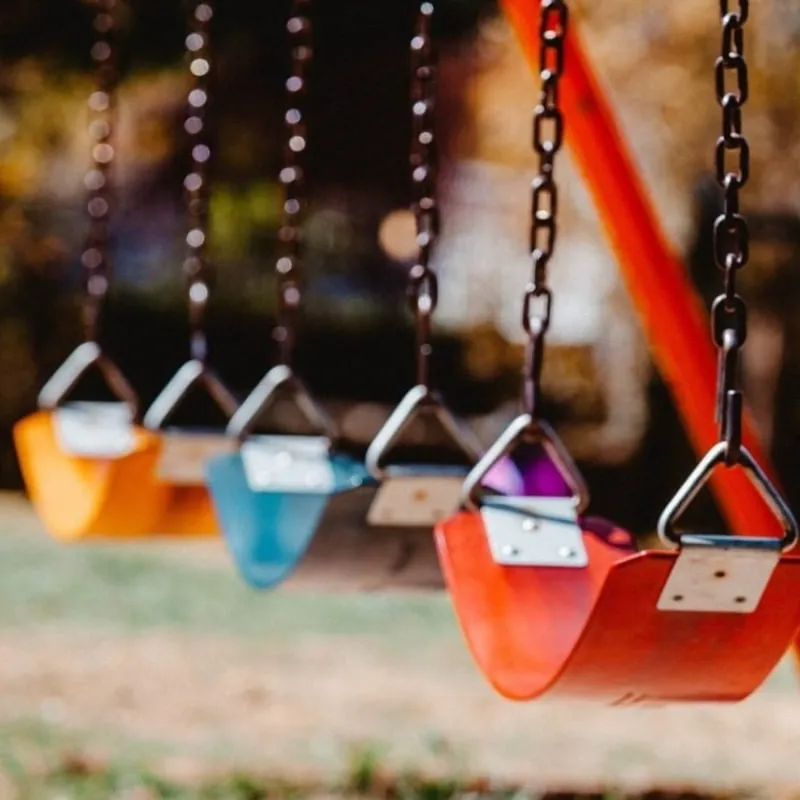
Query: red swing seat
612, 630
596, 633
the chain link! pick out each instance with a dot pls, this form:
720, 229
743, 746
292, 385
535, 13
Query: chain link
731, 233
292, 176
196, 268
423, 285
548, 138
95, 258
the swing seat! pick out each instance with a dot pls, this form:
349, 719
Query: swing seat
88, 472
416, 496
280, 501
405, 501
293, 511
180, 474
555, 604
597, 632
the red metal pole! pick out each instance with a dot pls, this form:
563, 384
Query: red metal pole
673, 319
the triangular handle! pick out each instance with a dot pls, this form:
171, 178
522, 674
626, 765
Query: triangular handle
526, 429
77, 364
701, 475
278, 379
173, 394
418, 401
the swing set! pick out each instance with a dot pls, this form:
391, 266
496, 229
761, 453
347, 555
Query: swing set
551, 601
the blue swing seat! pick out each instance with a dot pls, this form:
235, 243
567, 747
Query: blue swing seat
295, 516
270, 509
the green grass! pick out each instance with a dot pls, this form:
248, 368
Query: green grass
125, 591
128, 590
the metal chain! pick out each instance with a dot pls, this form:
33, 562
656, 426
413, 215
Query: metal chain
731, 233
96, 258
548, 138
292, 176
195, 267
423, 286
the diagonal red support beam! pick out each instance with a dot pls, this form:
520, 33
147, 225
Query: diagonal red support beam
676, 325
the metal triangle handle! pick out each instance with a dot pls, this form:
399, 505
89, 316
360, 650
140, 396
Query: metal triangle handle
420, 400
278, 379
77, 364
193, 372
526, 429
701, 474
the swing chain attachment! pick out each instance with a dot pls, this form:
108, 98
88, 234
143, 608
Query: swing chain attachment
292, 176
102, 105
731, 234
423, 285
729, 311
195, 267
548, 138
95, 257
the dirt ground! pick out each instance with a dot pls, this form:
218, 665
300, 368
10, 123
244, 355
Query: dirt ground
303, 713
306, 706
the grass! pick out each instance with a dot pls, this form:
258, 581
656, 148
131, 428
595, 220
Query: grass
126, 591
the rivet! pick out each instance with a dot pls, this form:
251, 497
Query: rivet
529, 524
567, 552
283, 458
510, 551
741, 599
677, 598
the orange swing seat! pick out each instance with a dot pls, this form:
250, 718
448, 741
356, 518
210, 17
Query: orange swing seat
706, 622
180, 471
87, 469
78, 497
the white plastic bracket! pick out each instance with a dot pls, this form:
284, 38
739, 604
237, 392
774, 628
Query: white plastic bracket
720, 574
534, 531
291, 464
415, 500
95, 430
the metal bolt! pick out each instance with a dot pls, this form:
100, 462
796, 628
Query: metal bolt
529, 524
283, 459
567, 552
509, 551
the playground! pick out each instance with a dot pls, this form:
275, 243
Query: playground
393, 441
